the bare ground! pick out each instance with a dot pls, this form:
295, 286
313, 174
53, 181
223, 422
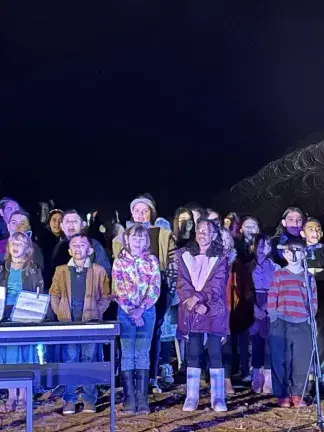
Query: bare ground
246, 412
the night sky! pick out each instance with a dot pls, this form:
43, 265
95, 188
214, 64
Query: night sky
103, 100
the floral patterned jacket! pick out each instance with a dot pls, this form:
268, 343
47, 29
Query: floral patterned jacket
136, 281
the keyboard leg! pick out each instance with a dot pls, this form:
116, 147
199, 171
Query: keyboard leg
112, 385
29, 406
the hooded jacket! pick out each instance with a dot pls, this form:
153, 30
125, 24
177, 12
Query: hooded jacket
212, 295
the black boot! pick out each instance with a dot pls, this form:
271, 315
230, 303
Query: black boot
142, 381
129, 391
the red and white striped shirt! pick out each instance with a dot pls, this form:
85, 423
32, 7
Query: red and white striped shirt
287, 298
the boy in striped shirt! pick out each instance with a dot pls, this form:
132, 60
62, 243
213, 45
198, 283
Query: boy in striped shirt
290, 332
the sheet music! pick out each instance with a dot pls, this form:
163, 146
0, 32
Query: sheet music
30, 307
2, 301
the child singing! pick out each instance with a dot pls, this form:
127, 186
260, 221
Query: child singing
136, 285
18, 273
201, 285
290, 332
262, 275
80, 292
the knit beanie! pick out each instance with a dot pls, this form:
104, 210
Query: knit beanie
143, 200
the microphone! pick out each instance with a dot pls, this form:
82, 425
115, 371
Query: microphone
292, 249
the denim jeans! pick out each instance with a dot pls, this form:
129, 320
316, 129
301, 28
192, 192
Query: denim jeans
74, 353
136, 341
260, 352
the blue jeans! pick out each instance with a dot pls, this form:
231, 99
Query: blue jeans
136, 341
74, 353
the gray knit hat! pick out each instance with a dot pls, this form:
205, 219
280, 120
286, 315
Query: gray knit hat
144, 201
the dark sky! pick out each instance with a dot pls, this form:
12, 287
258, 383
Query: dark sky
103, 100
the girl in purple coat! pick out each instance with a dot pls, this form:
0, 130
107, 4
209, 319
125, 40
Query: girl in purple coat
262, 275
202, 310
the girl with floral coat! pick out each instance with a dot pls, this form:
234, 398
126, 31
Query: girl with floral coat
136, 282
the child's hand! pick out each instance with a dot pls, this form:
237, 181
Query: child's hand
259, 313
201, 309
191, 302
135, 314
139, 322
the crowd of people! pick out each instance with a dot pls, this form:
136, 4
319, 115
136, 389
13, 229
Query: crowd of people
209, 285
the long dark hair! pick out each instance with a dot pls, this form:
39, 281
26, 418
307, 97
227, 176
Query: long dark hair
244, 219
280, 228
180, 241
256, 242
193, 206
216, 246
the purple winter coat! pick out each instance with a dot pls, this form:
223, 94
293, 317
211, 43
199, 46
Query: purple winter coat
213, 296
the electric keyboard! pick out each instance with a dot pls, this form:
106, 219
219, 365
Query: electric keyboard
58, 332
49, 333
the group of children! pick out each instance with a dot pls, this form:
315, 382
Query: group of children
227, 283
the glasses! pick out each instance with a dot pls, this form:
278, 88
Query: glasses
205, 231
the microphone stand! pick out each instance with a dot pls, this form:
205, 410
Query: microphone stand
315, 355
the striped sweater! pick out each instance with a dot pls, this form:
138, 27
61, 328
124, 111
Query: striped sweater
287, 298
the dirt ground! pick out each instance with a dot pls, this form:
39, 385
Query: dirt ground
246, 412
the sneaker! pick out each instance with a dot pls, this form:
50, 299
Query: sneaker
258, 381
229, 390
89, 408
267, 386
69, 408
284, 403
247, 379
167, 373
298, 402
154, 386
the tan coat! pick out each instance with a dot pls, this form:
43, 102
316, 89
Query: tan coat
96, 299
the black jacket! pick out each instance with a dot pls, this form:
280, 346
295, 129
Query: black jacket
32, 279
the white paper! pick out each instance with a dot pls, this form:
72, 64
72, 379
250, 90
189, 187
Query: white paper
30, 307
2, 301
2, 293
